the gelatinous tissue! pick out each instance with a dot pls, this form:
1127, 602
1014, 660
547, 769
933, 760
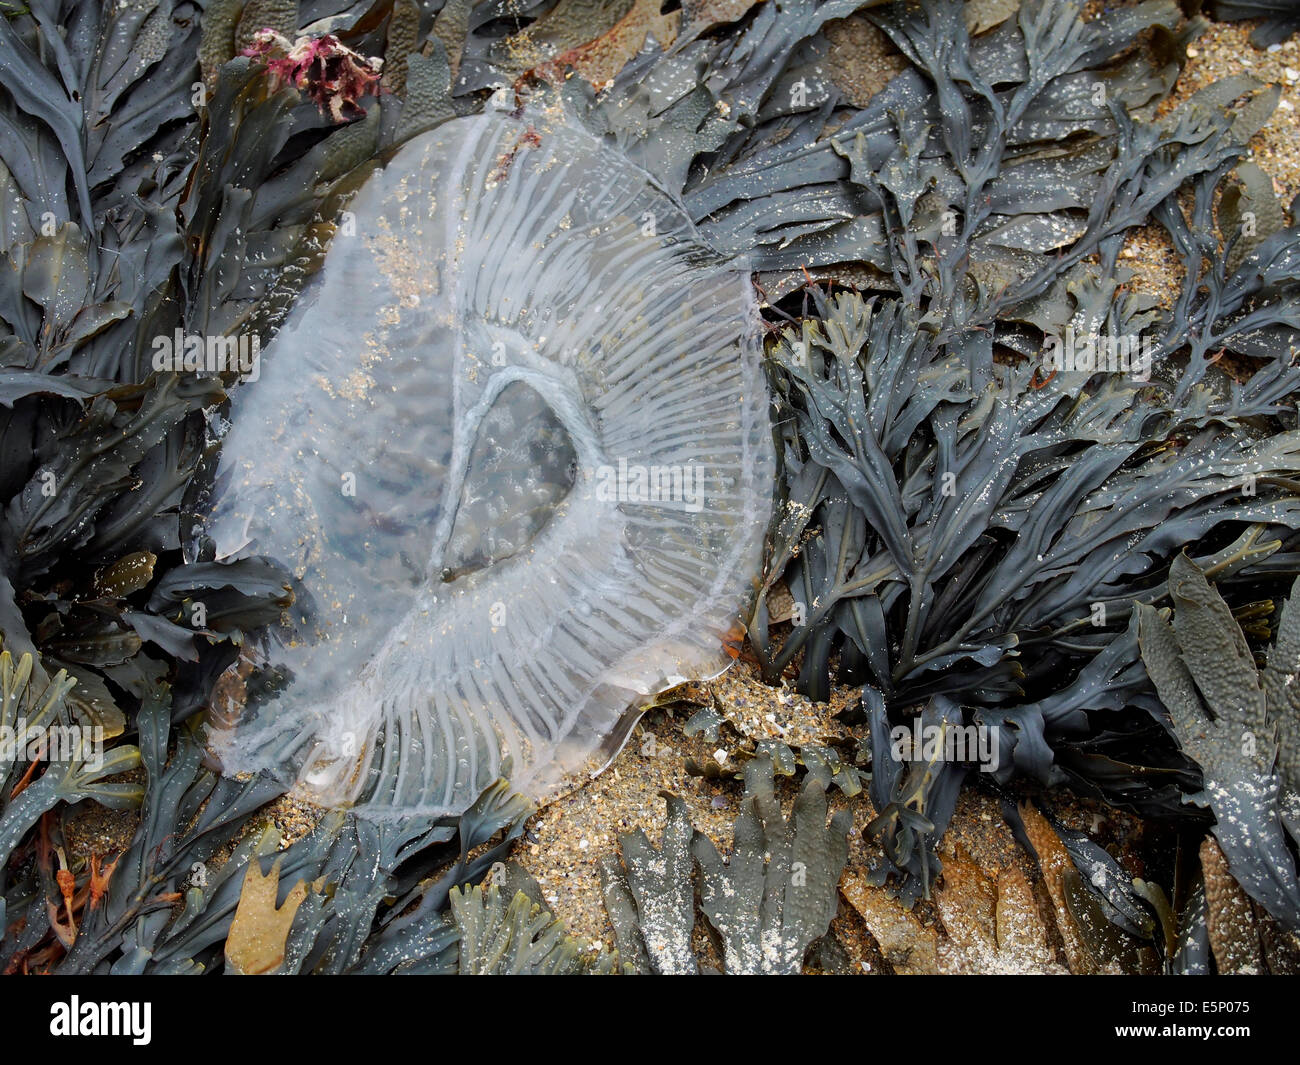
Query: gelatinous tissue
514, 445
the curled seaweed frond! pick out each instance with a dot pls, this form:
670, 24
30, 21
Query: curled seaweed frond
518, 937
767, 903
1225, 718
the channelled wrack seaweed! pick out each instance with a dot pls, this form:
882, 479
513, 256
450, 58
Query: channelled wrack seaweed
973, 536
971, 532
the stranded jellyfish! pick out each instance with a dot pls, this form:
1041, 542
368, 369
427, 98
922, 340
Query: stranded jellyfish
513, 445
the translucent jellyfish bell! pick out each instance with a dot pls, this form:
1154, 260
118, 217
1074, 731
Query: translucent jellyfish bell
514, 445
